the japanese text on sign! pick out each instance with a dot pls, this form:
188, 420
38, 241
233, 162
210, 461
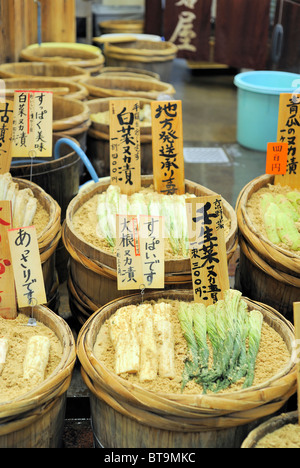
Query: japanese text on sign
140, 252
27, 266
289, 132
152, 250
207, 248
6, 124
8, 307
276, 158
167, 147
129, 264
125, 157
32, 126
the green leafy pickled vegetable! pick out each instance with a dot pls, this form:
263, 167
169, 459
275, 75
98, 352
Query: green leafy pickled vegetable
234, 334
255, 325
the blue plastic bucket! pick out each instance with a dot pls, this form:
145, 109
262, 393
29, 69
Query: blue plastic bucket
258, 105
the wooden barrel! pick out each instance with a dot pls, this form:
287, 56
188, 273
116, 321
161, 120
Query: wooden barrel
268, 427
48, 239
71, 118
158, 420
103, 87
156, 56
98, 137
36, 419
60, 178
122, 26
85, 56
93, 272
59, 87
266, 271
40, 69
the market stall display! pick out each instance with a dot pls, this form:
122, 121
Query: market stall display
93, 274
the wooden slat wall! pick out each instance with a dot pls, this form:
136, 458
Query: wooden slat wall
58, 20
18, 25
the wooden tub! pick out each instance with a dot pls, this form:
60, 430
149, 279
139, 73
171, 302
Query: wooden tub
126, 415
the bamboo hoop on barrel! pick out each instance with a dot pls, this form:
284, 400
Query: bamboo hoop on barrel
142, 51
104, 87
56, 53
40, 69
187, 413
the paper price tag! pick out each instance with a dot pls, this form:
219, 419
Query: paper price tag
140, 252
152, 251
27, 266
32, 127
276, 162
129, 261
8, 304
207, 248
167, 147
125, 147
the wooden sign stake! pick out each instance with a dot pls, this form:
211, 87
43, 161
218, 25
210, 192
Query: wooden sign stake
125, 148
8, 303
167, 147
6, 125
297, 338
207, 248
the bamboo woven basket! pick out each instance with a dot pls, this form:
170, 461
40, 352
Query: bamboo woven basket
268, 427
147, 419
103, 87
127, 72
156, 56
98, 137
36, 419
122, 26
48, 238
266, 272
93, 272
88, 57
59, 87
40, 69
